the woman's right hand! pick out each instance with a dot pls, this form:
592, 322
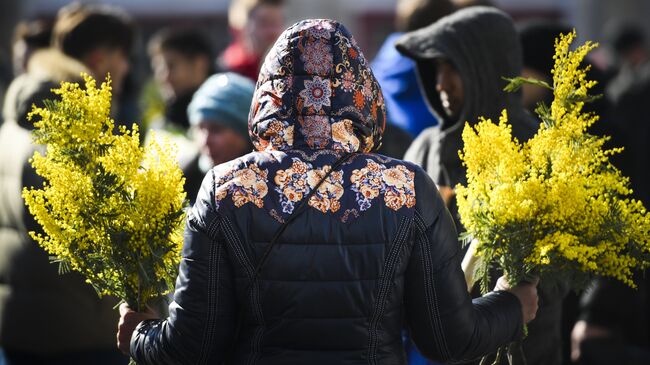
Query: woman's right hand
129, 320
526, 292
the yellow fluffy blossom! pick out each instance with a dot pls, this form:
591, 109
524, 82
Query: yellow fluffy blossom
108, 207
553, 206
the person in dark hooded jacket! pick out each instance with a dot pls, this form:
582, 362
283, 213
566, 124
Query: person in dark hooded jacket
481, 45
368, 242
461, 61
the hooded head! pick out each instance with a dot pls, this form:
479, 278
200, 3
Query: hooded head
316, 91
481, 43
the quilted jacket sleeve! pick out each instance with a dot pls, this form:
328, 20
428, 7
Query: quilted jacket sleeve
202, 317
444, 322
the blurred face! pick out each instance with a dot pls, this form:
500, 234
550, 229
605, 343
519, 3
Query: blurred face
449, 86
221, 143
20, 53
177, 73
264, 26
111, 61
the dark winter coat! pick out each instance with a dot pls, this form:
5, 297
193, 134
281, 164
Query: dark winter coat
629, 93
374, 251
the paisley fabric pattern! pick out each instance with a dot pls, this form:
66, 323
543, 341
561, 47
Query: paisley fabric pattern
316, 99
396, 184
316, 128
244, 185
301, 178
316, 72
291, 184
317, 56
316, 94
277, 133
343, 136
331, 190
278, 180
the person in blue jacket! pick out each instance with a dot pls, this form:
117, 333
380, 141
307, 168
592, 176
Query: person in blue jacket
396, 73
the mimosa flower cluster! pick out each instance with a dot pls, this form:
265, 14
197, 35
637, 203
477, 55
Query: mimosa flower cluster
109, 208
553, 206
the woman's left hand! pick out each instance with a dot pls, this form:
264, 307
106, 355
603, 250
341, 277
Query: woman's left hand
129, 320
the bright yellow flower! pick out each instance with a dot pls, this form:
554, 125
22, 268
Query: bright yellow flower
109, 209
554, 205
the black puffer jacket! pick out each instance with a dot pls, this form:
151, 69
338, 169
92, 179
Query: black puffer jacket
374, 250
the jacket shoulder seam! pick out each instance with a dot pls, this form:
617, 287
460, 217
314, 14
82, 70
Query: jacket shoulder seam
430, 294
214, 263
384, 284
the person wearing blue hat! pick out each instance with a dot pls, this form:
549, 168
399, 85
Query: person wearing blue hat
219, 114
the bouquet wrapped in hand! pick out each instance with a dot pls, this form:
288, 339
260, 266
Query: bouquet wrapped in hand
553, 206
109, 208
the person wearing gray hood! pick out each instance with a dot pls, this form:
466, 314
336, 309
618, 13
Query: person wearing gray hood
461, 61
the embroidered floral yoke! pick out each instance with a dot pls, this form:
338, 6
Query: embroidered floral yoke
374, 246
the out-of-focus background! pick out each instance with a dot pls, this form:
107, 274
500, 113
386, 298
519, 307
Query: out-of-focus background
161, 54
369, 20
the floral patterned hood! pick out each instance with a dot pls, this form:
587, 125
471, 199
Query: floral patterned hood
316, 91
316, 99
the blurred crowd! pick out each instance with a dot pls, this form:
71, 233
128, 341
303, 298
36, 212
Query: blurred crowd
199, 96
